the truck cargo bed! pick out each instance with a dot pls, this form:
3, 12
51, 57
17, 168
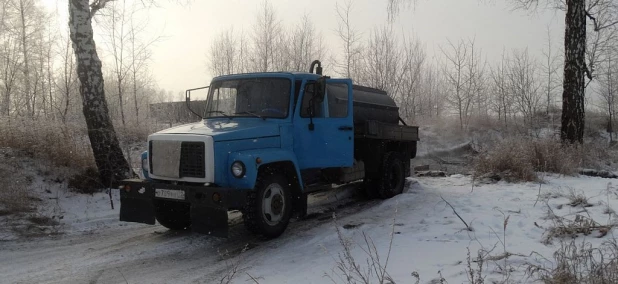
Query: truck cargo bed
379, 130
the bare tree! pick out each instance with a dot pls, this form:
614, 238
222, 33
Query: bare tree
139, 57
66, 83
524, 84
381, 60
306, 44
475, 76
501, 99
273, 47
408, 85
551, 64
456, 56
608, 89
24, 31
350, 38
433, 90
115, 25
10, 65
266, 30
28, 25
108, 155
223, 54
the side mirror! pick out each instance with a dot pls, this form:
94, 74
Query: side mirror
320, 89
188, 100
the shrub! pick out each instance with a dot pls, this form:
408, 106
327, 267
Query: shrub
517, 159
509, 159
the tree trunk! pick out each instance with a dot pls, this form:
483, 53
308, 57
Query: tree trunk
573, 114
135, 95
108, 155
26, 70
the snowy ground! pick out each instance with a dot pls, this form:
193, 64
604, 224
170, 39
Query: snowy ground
429, 239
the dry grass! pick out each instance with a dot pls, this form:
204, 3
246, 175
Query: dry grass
14, 198
63, 145
14, 194
519, 158
572, 227
583, 263
372, 269
511, 160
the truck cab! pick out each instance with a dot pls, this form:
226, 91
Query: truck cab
265, 141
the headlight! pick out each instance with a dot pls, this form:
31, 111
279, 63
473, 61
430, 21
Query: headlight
238, 169
145, 166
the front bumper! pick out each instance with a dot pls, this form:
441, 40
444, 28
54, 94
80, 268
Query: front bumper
137, 204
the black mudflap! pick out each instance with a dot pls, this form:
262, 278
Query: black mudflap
210, 221
137, 210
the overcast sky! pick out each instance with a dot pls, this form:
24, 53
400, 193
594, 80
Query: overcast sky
179, 61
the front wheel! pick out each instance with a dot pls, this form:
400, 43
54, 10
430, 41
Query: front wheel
268, 208
173, 215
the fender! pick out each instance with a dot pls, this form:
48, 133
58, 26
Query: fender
249, 157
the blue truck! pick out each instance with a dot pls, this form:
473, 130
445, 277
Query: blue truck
264, 142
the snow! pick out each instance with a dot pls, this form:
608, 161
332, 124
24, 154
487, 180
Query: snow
428, 238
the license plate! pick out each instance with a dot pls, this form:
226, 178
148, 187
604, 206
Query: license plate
170, 194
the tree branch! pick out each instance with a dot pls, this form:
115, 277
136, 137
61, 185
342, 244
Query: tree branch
596, 24
457, 214
97, 5
587, 71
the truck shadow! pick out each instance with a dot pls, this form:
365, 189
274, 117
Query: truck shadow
343, 201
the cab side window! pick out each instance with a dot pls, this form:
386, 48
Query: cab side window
306, 105
337, 96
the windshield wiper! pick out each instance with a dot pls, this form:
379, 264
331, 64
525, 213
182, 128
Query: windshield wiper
220, 112
251, 113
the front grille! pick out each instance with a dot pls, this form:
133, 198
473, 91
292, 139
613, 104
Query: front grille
192, 160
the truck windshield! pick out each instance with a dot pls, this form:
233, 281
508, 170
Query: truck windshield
259, 97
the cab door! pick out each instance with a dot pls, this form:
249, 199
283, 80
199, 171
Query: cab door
324, 129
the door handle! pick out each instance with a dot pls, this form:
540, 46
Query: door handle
346, 128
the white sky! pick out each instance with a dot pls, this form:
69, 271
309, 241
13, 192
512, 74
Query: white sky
179, 61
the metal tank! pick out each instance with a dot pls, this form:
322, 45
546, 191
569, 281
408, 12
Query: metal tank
369, 104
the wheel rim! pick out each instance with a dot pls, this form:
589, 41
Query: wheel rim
273, 204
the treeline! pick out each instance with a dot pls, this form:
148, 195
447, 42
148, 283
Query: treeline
38, 76
520, 88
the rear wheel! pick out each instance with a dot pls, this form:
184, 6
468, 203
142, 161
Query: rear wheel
268, 208
173, 215
392, 175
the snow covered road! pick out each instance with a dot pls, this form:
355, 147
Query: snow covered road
428, 238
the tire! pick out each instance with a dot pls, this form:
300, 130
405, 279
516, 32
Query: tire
392, 175
268, 208
173, 215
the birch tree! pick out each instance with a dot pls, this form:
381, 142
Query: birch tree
106, 149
